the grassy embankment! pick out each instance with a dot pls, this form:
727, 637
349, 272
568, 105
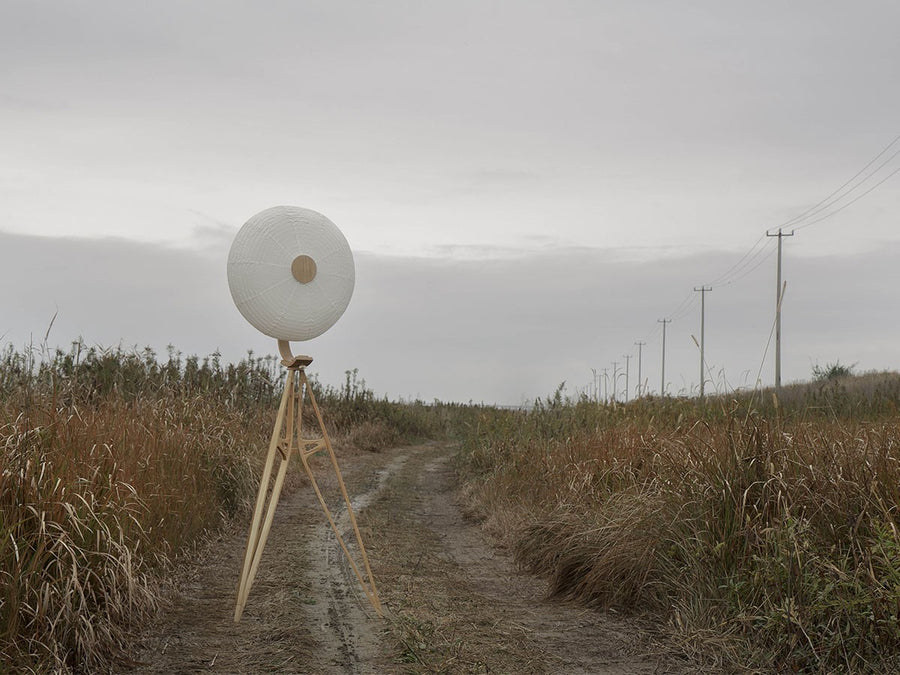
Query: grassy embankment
769, 533
112, 464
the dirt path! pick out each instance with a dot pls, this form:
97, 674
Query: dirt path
453, 602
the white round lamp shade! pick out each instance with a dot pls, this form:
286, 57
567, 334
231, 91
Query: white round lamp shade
290, 272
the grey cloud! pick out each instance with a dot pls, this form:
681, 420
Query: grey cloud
507, 120
492, 330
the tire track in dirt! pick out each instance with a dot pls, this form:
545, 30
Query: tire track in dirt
573, 639
461, 605
341, 612
454, 602
305, 613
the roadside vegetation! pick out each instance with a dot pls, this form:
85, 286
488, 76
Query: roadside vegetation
767, 529
763, 532
113, 463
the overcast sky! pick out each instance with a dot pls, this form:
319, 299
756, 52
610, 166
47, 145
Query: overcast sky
527, 186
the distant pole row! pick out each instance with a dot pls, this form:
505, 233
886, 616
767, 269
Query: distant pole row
703, 290
831, 205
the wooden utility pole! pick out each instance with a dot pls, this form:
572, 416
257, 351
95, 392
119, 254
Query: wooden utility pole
627, 358
703, 290
640, 381
778, 297
662, 389
614, 377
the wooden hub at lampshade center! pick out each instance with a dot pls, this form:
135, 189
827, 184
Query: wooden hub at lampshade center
304, 269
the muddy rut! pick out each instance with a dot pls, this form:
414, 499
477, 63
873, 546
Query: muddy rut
453, 602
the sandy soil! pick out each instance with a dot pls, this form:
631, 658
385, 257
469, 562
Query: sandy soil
453, 602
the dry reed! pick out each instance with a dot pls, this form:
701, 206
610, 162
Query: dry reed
776, 536
112, 463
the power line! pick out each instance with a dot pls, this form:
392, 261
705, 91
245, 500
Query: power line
688, 300
675, 316
815, 208
824, 207
725, 274
740, 267
750, 264
761, 251
772, 249
852, 201
652, 334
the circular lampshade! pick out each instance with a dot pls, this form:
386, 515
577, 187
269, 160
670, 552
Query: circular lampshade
290, 272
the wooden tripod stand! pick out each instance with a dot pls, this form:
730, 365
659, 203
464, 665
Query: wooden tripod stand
287, 440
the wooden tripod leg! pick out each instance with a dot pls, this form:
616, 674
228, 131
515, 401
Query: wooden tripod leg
370, 589
267, 525
286, 448
253, 538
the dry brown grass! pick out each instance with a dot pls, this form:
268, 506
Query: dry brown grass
112, 464
372, 436
96, 497
779, 537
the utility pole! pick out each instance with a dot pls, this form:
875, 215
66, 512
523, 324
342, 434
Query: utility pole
778, 296
615, 369
605, 385
640, 381
662, 389
703, 290
627, 358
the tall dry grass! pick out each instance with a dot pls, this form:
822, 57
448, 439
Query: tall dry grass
114, 462
111, 465
773, 537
